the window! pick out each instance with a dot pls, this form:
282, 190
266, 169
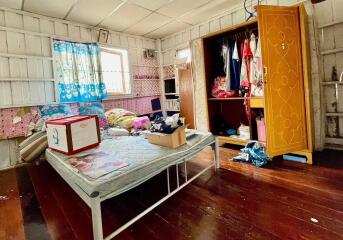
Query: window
184, 54
115, 71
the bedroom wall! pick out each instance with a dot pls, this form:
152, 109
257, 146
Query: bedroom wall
27, 75
236, 15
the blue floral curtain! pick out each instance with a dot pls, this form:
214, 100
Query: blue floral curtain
78, 71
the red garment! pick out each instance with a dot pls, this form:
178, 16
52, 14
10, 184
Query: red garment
218, 89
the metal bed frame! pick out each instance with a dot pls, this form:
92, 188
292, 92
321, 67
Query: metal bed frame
95, 199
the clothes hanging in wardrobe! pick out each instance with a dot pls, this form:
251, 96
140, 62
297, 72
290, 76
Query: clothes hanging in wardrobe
256, 79
235, 76
247, 57
227, 58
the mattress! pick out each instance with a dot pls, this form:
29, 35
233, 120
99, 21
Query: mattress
142, 161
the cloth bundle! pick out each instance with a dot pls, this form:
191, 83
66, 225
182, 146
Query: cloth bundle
254, 153
219, 89
168, 125
32, 147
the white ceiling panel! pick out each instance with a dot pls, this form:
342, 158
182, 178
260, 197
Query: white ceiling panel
178, 7
51, 8
82, 9
125, 17
167, 29
148, 24
151, 4
207, 11
16, 4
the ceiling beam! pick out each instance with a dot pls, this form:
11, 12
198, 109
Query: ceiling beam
22, 5
70, 9
112, 12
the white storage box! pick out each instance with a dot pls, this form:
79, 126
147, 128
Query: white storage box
75, 134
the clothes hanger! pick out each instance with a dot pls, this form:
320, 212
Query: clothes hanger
251, 13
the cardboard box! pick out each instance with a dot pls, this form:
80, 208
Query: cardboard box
173, 140
75, 134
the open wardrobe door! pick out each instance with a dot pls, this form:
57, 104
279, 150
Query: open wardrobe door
186, 95
285, 113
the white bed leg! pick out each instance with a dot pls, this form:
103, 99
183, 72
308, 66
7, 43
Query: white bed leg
168, 180
96, 218
186, 176
177, 175
216, 153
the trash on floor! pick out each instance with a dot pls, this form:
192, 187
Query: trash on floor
3, 197
254, 153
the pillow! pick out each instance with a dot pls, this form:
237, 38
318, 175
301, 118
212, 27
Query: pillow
55, 111
34, 147
120, 117
95, 109
49, 112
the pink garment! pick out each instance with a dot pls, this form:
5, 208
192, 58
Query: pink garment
256, 79
141, 122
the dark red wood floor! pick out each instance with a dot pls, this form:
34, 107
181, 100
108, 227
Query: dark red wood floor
285, 200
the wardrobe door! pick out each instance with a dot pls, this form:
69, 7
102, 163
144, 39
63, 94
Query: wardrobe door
186, 96
283, 75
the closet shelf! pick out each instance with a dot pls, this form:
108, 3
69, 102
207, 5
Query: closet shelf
169, 78
143, 79
332, 51
172, 110
234, 98
334, 114
236, 141
334, 140
333, 146
144, 66
330, 24
331, 83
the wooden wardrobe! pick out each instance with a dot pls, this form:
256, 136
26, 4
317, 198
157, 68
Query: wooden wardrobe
286, 102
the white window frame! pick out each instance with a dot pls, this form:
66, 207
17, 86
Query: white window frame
114, 50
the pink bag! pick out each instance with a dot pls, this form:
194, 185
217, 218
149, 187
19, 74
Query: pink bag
261, 130
141, 122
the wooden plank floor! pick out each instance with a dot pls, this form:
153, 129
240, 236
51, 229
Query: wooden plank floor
285, 200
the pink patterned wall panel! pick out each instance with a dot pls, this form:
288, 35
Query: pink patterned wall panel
169, 71
15, 122
139, 106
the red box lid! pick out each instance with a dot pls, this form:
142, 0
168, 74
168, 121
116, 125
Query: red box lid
70, 120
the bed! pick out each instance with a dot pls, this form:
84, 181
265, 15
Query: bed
138, 161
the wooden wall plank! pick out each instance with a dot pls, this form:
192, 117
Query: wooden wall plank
14, 20
5, 95
35, 68
18, 68
49, 91
3, 42
37, 92
33, 45
4, 67
16, 43
47, 26
31, 23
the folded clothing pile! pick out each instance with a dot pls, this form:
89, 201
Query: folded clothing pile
254, 153
166, 125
